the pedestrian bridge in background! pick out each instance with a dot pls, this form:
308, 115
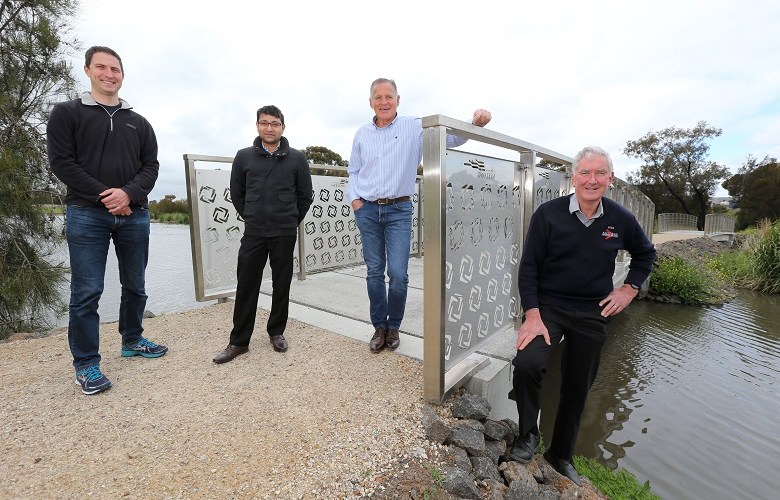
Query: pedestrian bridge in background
719, 227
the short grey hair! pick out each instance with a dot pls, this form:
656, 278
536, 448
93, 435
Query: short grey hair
380, 81
589, 152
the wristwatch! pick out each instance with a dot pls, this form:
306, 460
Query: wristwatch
635, 287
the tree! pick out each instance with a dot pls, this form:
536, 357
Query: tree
320, 155
756, 191
676, 158
33, 75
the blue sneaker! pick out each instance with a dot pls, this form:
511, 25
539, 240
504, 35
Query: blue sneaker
92, 380
145, 348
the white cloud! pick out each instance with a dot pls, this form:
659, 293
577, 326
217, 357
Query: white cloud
560, 74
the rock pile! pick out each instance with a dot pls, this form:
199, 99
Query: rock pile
478, 463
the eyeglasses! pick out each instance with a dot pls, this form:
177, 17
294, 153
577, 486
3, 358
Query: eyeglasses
585, 174
265, 124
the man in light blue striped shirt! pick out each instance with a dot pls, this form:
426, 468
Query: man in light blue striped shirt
382, 170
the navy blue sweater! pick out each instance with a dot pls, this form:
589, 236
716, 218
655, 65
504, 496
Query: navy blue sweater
569, 265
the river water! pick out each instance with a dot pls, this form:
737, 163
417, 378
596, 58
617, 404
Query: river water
169, 279
686, 397
689, 398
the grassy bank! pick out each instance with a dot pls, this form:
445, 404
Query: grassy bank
700, 271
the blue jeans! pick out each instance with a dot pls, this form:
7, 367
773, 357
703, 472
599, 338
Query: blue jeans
386, 231
89, 230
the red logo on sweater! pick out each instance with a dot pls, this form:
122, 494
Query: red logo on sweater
610, 233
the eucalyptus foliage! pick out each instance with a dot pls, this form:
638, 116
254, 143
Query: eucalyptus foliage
34, 74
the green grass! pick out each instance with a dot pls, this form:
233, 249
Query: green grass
617, 485
434, 491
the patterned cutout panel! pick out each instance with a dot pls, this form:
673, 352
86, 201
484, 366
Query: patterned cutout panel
548, 185
330, 235
482, 207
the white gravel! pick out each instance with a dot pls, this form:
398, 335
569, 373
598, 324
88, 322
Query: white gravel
324, 420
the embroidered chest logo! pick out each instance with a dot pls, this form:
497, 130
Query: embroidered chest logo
610, 233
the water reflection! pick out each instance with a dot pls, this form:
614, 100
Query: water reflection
687, 398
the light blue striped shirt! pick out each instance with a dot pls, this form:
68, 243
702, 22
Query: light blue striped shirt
384, 161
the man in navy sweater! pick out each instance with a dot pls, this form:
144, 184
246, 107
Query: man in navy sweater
566, 290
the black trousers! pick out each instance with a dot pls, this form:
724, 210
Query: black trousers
252, 256
585, 334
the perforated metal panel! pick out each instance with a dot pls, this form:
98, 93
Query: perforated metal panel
482, 203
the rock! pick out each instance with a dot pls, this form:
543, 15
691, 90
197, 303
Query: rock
521, 490
458, 457
149, 314
515, 471
514, 427
494, 490
435, 428
495, 450
496, 431
461, 484
471, 406
484, 468
469, 439
471, 424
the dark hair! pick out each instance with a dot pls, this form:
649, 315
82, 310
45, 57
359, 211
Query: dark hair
99, 48
271, 111
379, 81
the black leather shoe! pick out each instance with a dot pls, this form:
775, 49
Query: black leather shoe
523, 448
392, 340
230, 352
279, 343
563, 467
378, 340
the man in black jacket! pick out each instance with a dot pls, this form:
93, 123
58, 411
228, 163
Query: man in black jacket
106, 154
270, 186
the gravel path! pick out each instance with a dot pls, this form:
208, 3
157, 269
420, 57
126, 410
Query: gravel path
327, 419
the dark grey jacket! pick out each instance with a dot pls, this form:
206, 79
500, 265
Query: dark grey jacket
271, 191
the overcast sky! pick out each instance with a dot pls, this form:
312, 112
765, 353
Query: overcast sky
560, 74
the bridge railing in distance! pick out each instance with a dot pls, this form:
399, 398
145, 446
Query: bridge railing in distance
676, 222
476, 211
718, 223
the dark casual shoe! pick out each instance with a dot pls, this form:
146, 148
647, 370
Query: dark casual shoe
145, 348
279, 343
563, 467
392, 341
523, 448
378, 340
230, 352
92, 380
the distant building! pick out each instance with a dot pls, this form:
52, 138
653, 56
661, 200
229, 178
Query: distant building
725, 201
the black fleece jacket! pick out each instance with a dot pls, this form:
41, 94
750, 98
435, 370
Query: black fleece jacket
271, 191
91, 151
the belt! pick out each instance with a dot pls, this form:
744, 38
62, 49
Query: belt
390, 201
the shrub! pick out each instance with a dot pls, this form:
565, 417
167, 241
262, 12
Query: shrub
675, 276
757, 264
174, 218
764, 249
